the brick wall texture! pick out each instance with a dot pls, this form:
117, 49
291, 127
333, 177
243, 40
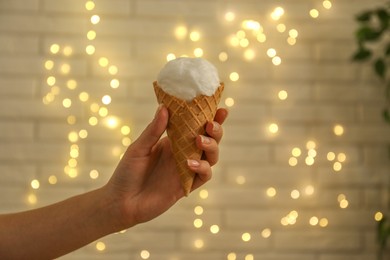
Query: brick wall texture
301, 172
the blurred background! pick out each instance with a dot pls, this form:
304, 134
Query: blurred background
304, 167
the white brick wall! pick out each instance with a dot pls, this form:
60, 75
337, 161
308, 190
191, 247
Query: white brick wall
324, 89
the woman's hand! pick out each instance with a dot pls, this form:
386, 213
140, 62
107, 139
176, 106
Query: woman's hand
146, 183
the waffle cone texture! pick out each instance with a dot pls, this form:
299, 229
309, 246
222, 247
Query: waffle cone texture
186, 121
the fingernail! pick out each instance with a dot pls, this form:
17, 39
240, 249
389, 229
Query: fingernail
158, 109
216, 126
205, 139
193, 163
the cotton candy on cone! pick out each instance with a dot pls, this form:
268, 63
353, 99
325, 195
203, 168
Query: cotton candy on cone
187, 120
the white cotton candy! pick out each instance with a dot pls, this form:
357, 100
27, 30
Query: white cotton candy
187, 78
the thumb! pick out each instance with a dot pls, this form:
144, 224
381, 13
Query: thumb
151, 134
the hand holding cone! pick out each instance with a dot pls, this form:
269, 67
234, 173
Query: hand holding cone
187, 120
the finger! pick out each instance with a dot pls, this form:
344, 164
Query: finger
209, 147
152, 133
203, 172
221, 115
214, 130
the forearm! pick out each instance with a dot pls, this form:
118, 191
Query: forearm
55, 230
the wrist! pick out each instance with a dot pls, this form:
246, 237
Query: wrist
113, 207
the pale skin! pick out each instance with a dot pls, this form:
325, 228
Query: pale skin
136, 193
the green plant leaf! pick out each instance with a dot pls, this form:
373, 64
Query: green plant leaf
367, 34
386, 115
364, 17
380, 68
362, 54
387, 50
383, 18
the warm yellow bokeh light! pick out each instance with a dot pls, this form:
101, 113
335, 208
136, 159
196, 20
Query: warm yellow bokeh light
282, 95
49, 64
273, 128
229, 102
341, 197
249, 54
324, 222
125, 130
100, 246
309, 190
214, 229
327, 4
341, 157
234, 76
314, 13
51, 81
261, 37
271, 192
91, 35
276, 60
83, 133
198, 223
73, 137
293, 33
198, 52
378, 216
106, 99
95, 19
113, 70
296, 152
83, 96
195, 36
337, 166
313, 221
90, 49
240, 180
93, 121
277, 13
198, 210
331, 156
338, 130
281, 28
181, 32
271, 52
103, 111
35, 184
32, 199
246, 237
199, 243
89, 5
266, 233
94, 174
54, 48
344, 203
71, 120
230, 16
309, 160
67, 51
295, 194
71, 84
145, 254
103, 61
223, 56
293, 161
232, 256
52, 179
67, 103
114, 83
203, 194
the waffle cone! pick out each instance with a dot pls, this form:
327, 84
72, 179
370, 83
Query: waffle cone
187, 120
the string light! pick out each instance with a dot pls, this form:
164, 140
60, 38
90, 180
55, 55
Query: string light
230, 16
242, 38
